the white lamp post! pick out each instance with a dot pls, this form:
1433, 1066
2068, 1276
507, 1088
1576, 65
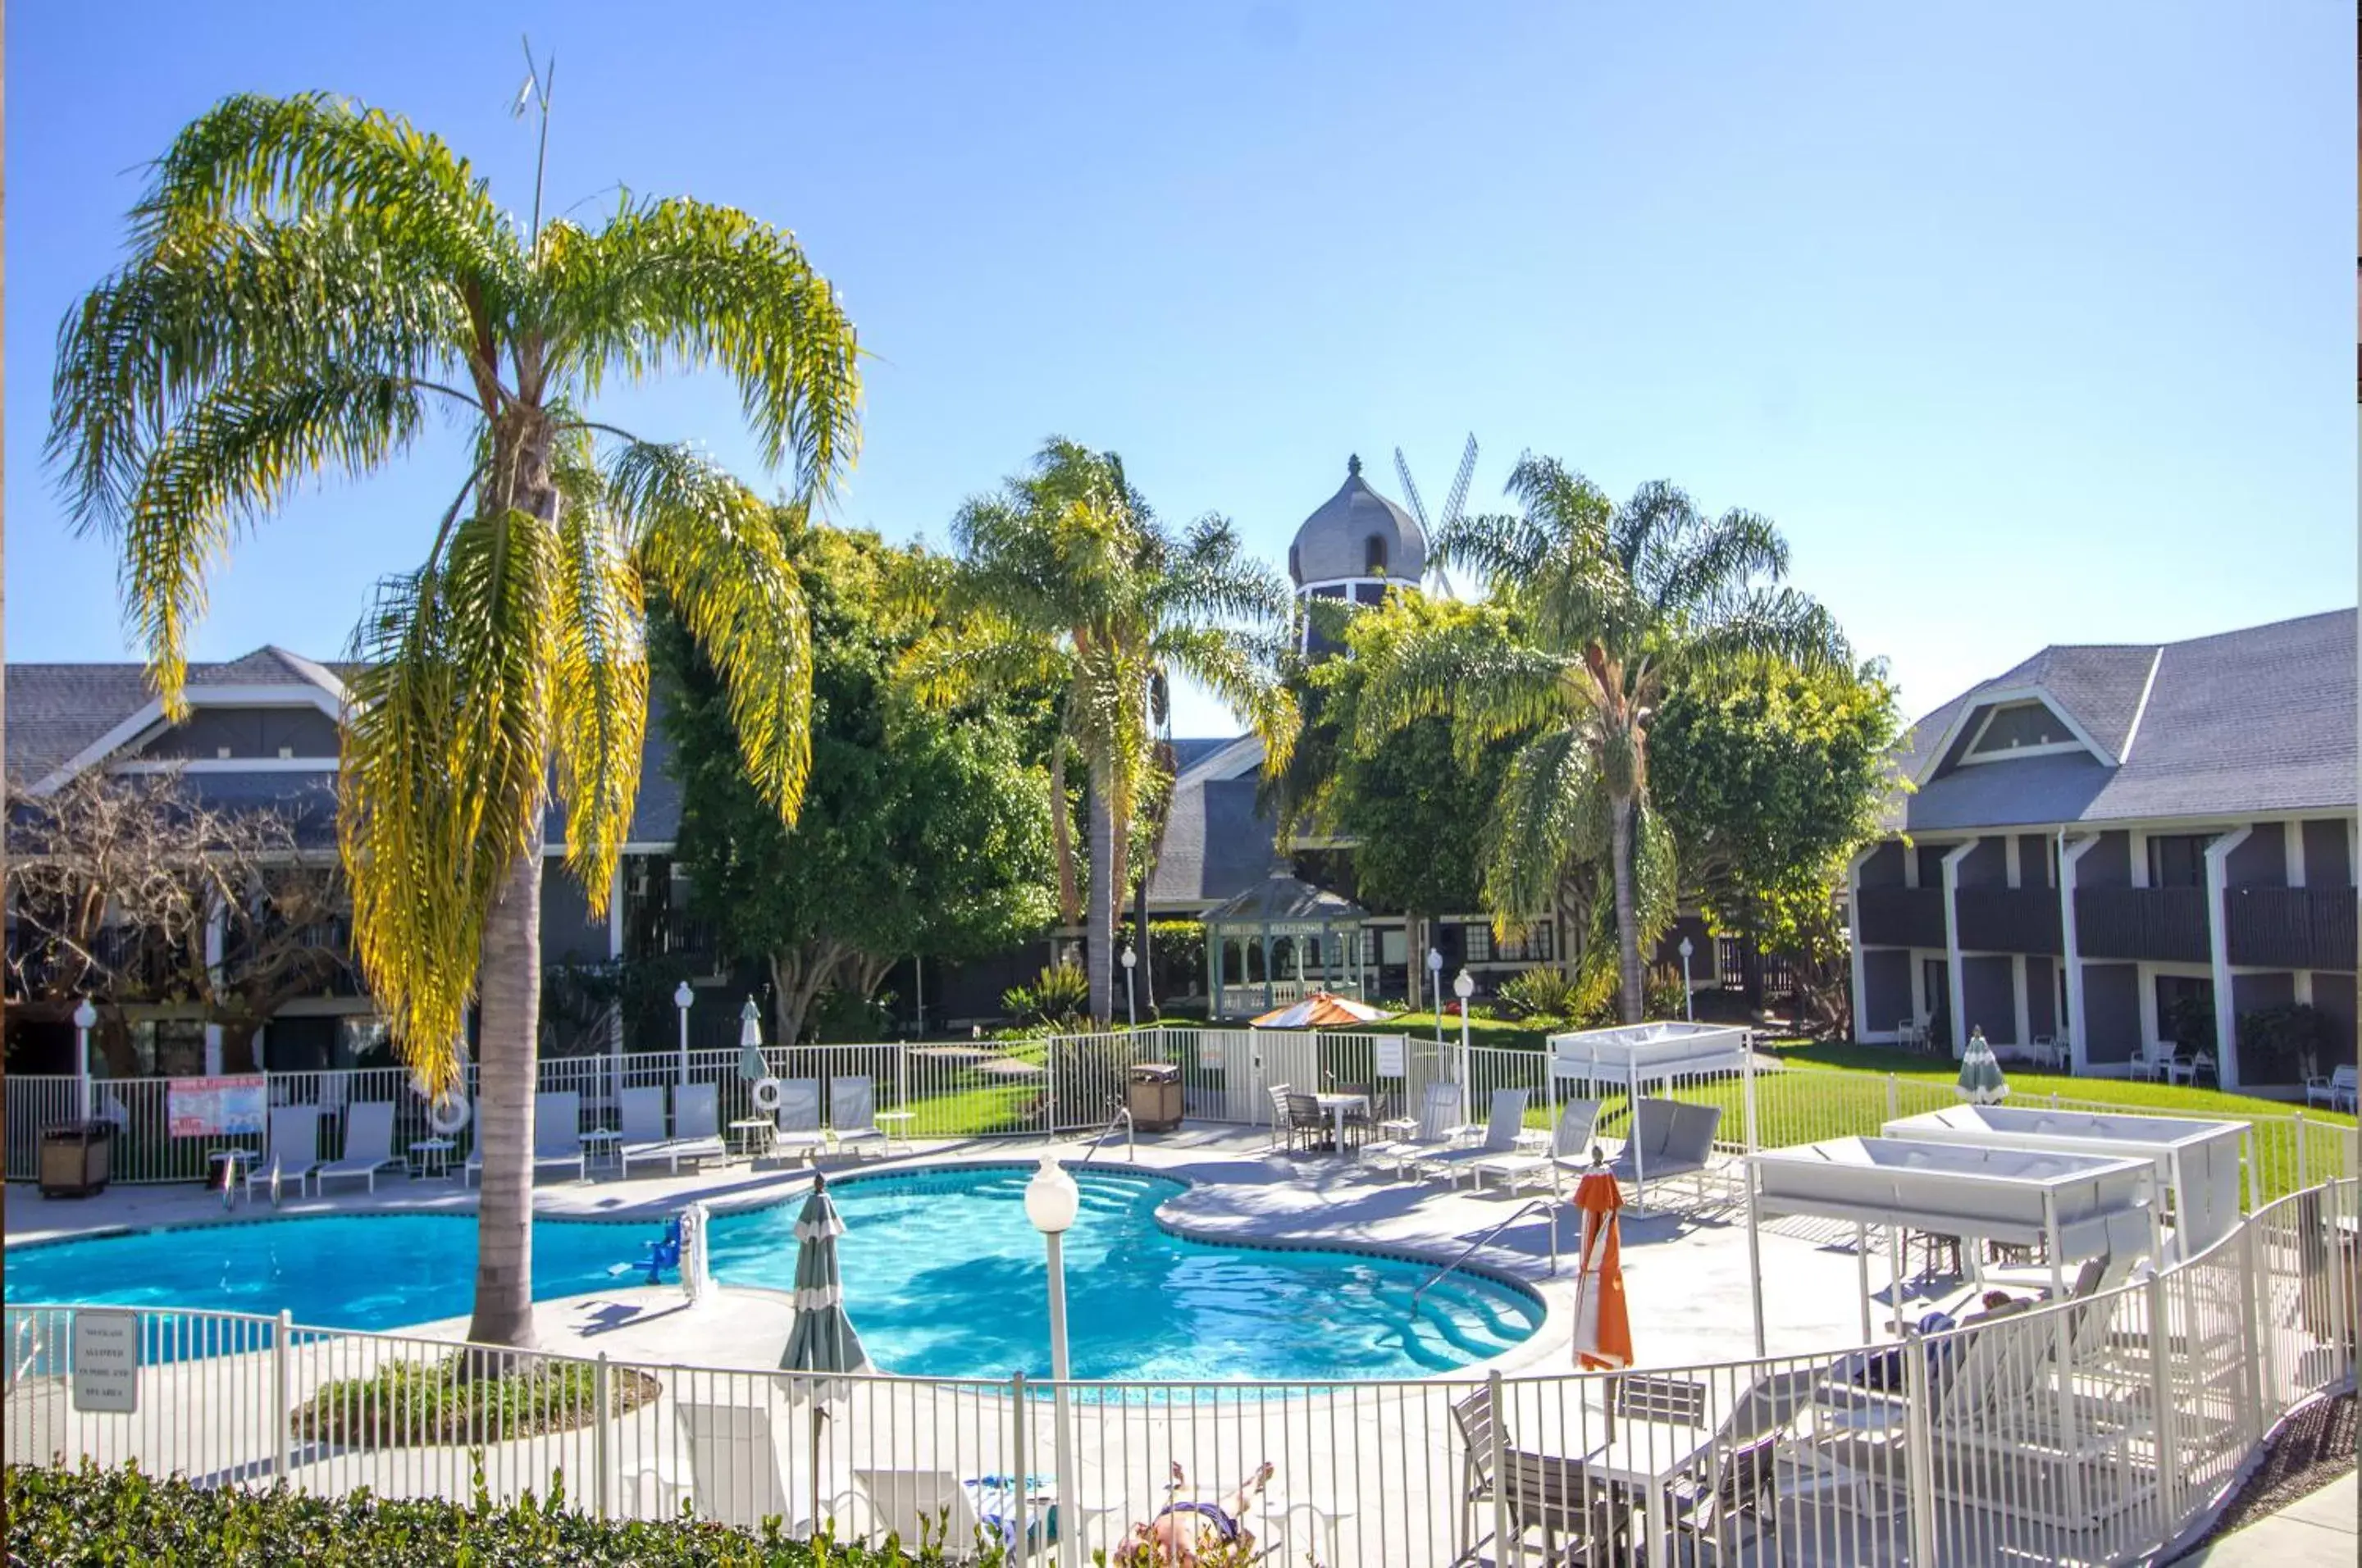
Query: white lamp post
1689, 1010
681, 997
1131, 1005
1052, 1201
1435, 997
1463, 987
85, 1018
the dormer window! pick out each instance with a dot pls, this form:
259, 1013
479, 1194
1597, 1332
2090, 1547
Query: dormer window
2016, 726
1374, 556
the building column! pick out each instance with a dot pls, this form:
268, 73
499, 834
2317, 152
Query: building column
2218, 954
2023, 1019
216, 926
2079, 1051
1213, 972
1955, 981
1856, 957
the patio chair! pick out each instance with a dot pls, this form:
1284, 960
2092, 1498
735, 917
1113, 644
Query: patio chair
796, 1126
1307, 1122
937, 1505
2154, 1064
1570, 1149
2338, 1091
644, 1136
1439, 1114
852, 1113
1501, 1130
738, 1475
1669, 1139
293, 1150
1554, 1494
368, 1144
556, 1136
696, 1125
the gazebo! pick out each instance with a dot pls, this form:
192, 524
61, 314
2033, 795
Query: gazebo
1301, 937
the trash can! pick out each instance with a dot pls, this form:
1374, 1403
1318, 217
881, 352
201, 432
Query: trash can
1156, 1098
76, 1158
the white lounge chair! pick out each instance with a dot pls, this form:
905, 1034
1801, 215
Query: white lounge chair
368, 1144
556, 1135
1569, 1149
738, 1474
1439, 1114
292, 1151
852, 1113
936, 1505
644, 1136
1669, 1139
798, 1121
696, 1125
1501, 1130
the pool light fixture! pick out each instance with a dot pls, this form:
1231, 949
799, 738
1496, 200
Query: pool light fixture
1689, 1008
1131, 1007
1463, 987
681, 997
85, 1019
1435, 995
1051, 1202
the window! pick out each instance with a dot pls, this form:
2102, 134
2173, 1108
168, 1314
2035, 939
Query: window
2014, 725
1374, 556
2178, 860
1476, 944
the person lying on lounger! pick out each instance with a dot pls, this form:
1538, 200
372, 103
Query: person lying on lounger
1185, 1533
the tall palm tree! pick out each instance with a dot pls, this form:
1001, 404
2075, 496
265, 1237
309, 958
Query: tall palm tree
1065, 579
307, 280
1616, 603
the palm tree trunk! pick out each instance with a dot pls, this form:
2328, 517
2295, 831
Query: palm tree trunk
1627, 917
1099, 932
509, 994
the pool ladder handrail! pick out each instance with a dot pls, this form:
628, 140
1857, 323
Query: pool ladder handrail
1548, 1207
1131, 1144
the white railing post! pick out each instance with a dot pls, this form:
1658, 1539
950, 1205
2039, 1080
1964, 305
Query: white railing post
1920, 1451
282, 1385
2303, 1168
1893, 1097
602, 1403
2255, 1335
2167, 1414
1020, 1462
1501, 1546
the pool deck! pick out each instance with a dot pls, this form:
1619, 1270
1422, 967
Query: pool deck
1686, 1264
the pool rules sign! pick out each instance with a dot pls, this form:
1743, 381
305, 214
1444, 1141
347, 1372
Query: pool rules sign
107, 1362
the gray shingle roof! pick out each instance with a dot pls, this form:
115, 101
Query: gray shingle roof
2256, 720
1216, 843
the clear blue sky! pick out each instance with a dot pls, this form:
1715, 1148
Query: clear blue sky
2028, 323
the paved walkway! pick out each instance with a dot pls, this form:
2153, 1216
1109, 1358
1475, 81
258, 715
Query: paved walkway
2314, 1531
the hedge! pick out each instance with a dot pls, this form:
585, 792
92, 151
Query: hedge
92, 1516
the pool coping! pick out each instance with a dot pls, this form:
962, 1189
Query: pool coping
1547, 1333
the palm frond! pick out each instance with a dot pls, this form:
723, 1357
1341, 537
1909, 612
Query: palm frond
599, 688
716, 551
684, 282
1489, 687
1551, 817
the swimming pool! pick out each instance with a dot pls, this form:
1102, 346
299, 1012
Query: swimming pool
943, 1277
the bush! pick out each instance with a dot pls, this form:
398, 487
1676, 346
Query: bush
94, 1516
424, 1403
1059, 997
2282, 1045
1544, 995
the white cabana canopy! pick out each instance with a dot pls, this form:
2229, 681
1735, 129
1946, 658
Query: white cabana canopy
1637, 1055
2080, 1204
2196, 1160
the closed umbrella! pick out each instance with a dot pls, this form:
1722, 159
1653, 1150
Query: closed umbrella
1602, 1329
822, 1340
1981, 1082
751, 1065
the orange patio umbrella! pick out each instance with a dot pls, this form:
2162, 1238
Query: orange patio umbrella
1602, 1329
1320, 1009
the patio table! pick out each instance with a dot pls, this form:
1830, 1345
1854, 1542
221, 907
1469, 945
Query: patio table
1337, 1106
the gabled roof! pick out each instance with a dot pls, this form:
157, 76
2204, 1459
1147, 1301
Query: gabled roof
1216, 840
1281, 895
2256, 720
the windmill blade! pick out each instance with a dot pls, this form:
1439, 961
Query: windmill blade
1410, 491
1457, 496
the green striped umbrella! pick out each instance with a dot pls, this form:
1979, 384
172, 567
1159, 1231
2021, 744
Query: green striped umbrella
1980, 1081
822, 1340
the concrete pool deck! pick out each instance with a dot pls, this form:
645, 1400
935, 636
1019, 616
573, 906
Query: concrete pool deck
1686, 1264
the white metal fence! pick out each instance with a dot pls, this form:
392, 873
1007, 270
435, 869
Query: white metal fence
2088, 1432
1073, 1083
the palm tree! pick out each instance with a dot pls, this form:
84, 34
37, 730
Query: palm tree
307, 280
1616, 605
1066, 580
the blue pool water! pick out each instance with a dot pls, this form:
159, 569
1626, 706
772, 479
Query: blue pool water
943, 1277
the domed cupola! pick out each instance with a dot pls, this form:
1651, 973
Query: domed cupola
1357, 544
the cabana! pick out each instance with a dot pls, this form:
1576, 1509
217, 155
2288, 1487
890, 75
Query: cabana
1635, 1056
2197, 1161
2079, 1205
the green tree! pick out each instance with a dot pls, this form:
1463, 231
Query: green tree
1412, 806
1770, 786
1065, 578
307, 280
918, 835
1615, 605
